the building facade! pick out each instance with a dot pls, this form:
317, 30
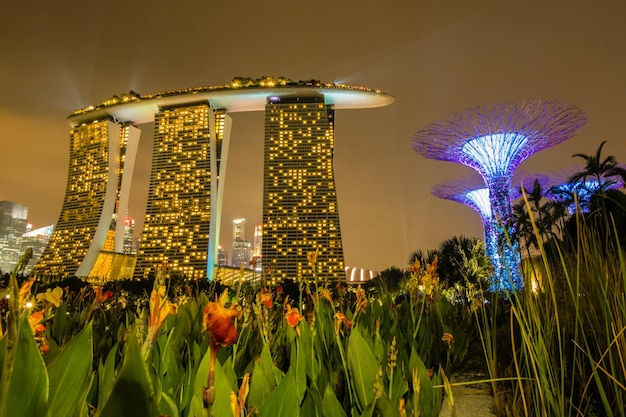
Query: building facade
188, 140
300, 212
13, 223
183, 214
102, 156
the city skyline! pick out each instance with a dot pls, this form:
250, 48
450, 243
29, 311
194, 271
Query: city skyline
434, 58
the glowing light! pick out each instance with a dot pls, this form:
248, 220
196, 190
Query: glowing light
29, 304
480, 198
494, 141
494, 153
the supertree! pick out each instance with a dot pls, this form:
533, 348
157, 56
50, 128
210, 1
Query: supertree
577, 193
494, 140
472, 192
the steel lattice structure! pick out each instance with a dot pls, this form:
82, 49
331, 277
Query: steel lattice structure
472, 192
494, 140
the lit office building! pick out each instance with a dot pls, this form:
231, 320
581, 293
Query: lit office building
300, 213
102, 156
242, 249
13, 221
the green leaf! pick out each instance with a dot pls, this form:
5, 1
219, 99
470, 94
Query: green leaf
83, 410
221, 405
385, 407
298, 365
282, 402
363, 366
264, 379
69, 374
132, 394
28, 388
106, 377
331, 407
60, 322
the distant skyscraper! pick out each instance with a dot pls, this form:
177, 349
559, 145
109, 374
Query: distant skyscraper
300, 212
239, 229
37, 240
241, 247
129, 235
222, 257
102, 157
13, 221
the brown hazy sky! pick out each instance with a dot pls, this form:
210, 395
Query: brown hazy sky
436, 57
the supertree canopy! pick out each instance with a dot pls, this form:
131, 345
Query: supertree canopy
494, 140
577, 193
472, 192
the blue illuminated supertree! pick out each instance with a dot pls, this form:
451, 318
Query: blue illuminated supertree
572, 192
494, 141
472, 192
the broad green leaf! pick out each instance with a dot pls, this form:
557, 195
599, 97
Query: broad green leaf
221, 405
298, 365
363, 366
69, 374
83, 410
312, 404
106, 377
168, 406
331, 407
28, 388
264, 379
282, 402
132, 394
385, 407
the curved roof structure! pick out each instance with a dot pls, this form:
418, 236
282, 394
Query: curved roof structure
238, 96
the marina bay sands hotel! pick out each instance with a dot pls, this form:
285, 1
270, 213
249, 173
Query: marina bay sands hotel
191, 137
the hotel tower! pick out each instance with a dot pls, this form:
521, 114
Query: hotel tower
183, 214
300, 213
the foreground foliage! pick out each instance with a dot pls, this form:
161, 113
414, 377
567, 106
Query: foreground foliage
304, 349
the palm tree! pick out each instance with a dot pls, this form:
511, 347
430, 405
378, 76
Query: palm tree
603, 172
463, 259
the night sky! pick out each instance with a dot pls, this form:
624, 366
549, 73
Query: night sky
436, 57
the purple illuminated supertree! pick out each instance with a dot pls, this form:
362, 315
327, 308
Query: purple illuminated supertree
472, 192
578, 192
494, 141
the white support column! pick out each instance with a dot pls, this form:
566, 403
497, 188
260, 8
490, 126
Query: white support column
217, 186
128, 169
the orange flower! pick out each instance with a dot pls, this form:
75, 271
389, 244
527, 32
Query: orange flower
218, 321
415, 266
326, 295
160, 308
25, 290
341, 318
293, 316
35, 322
448, 338
266, 298
361, 299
